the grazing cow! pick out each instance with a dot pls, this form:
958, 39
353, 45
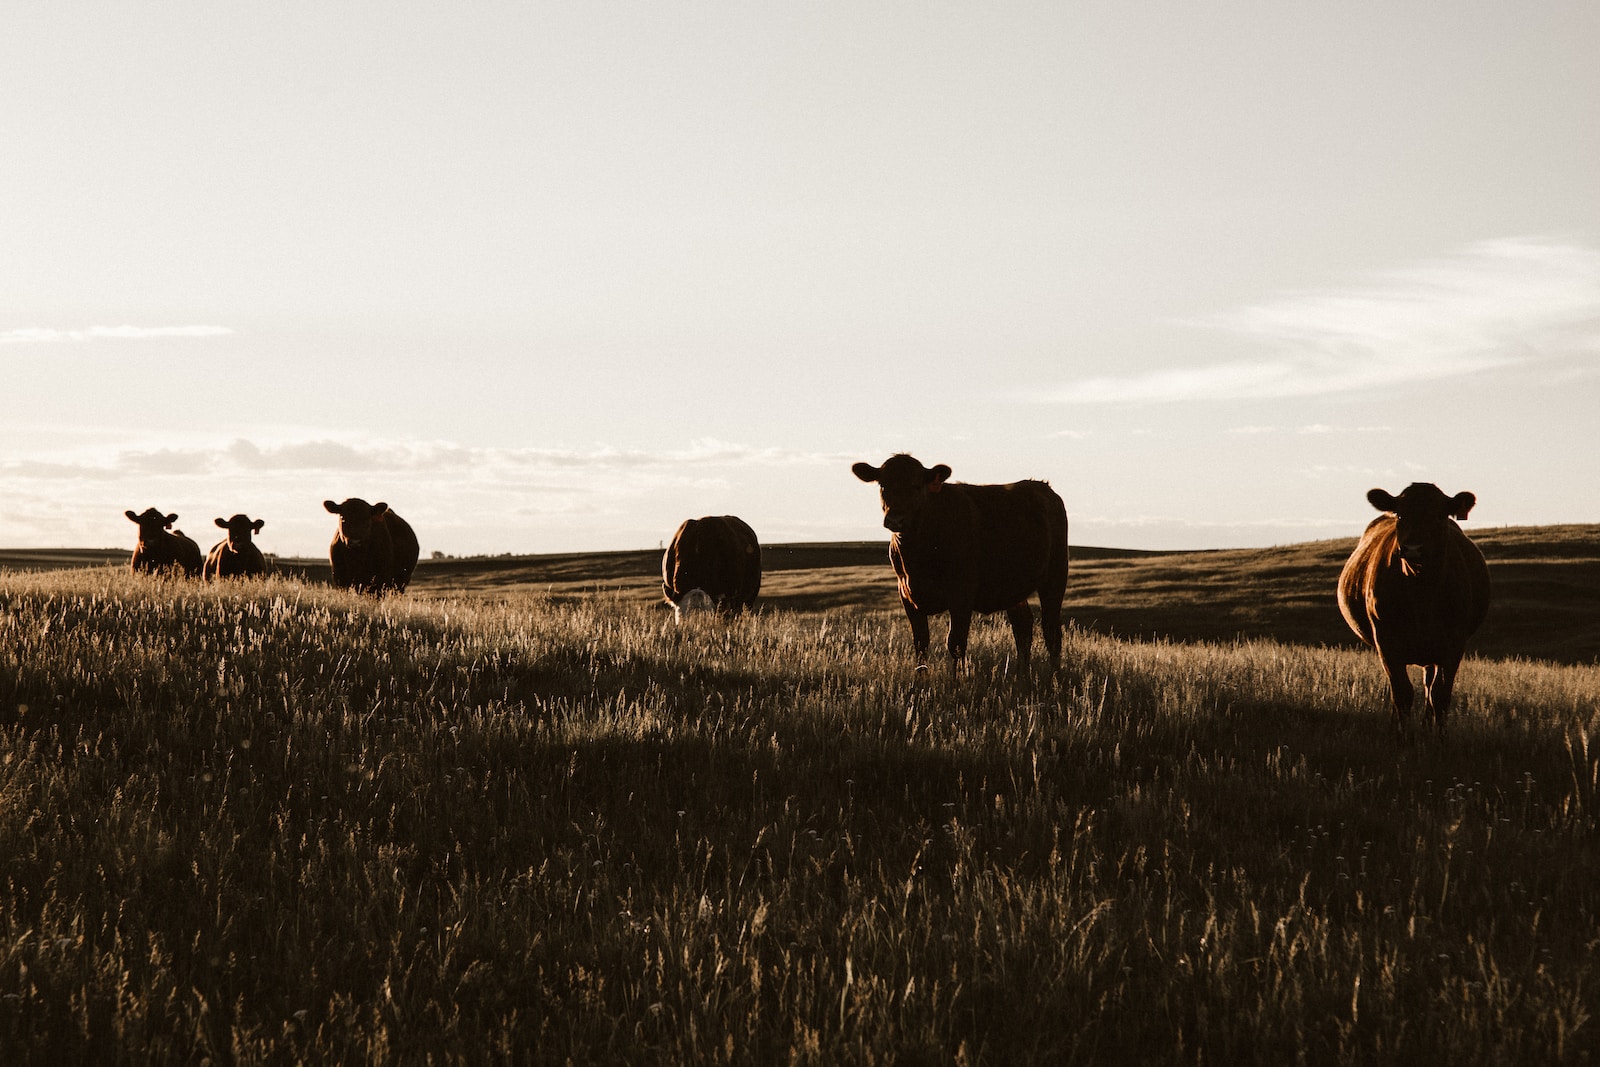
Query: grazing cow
373, 550
1415, 589
236, 556
158, 549
713, 562
965, 548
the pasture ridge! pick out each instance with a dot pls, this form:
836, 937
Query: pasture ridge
278, 821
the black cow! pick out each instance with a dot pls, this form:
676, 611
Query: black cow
159, 549
1415, 589
965, 548
374, 550
236, 556
714, 562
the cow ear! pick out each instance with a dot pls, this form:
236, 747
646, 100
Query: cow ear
1461, 505
131, 516
379, 510
331, 506
865, 471
258, 524
936, 478
172, 518
1381, 500
222, 523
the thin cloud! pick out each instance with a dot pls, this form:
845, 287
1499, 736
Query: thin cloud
48, 335
1323, 428
415, 459
1309, 430
1495, 304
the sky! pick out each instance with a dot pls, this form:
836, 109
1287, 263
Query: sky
555, 277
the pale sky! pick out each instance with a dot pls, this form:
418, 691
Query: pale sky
554, 277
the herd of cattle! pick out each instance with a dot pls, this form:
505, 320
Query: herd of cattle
373, 550
1414, 589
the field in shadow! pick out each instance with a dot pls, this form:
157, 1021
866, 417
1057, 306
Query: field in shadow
275, 822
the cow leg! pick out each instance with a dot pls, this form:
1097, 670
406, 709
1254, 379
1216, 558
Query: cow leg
1440, 679
960, 626
1401, 692
1050, 623
919, 631
1021, 616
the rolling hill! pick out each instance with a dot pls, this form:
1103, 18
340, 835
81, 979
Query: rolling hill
1546, 586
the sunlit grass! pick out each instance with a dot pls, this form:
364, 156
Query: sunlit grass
270, 821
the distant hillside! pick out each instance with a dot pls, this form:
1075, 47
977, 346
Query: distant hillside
1546, 586
1546, 593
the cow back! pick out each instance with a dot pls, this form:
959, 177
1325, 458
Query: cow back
404, 550
172, 549
719, 554
983, 546
224, 561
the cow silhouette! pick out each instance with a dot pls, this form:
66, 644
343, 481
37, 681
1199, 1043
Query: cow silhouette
973, 548
713, 563
236, 556
1415, 589
373, 550
160, 547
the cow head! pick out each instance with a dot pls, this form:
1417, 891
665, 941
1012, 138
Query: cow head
1422, 519
356, 517
240, 529
904, 486
694, 602
151, 522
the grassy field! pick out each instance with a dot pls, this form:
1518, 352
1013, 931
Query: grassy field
1546, 587
519, 816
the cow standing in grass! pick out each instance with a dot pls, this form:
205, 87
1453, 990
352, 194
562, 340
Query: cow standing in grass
712, 563
161, 547
236, 556
1415, 589
373, 550
965, 548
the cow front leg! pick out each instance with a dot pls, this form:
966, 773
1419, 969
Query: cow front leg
1021, 616
960, 626
1402, 694
919, 632
1439, 680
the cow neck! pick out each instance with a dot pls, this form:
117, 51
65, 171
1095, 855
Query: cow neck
1423, 576
920, 539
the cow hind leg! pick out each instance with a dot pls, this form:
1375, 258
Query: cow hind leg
1021, 616
1050, 623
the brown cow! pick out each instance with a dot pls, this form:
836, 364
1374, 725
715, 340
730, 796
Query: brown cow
965, 548
236, 556
1415, 589
158, 549
713, 562
373, 550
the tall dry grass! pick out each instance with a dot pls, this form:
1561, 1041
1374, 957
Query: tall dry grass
273, 822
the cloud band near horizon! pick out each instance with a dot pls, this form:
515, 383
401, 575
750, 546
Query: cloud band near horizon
428, 458
1494, 304
51, 335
